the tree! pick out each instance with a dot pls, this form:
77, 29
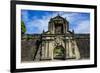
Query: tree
23, 28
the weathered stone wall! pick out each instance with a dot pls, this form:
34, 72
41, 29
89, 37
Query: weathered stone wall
28, 47
84, 48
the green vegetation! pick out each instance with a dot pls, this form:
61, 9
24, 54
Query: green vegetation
29, 37
23, 28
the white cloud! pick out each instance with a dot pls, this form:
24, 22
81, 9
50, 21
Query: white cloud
40, 24
83, 27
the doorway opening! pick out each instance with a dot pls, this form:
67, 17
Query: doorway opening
59, 53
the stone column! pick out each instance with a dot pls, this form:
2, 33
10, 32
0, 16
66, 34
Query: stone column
46, 47
64, 28
51, 50
67, 48
43, 49
53, 28
70, 49
77, 53
48, 50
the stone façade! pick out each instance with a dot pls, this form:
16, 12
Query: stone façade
42, 46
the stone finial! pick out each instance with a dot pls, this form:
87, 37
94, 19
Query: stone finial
43, 31
58, 14
73, 30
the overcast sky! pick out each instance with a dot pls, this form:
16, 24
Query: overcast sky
37, 21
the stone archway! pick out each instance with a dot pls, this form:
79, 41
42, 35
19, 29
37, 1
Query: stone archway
59, 53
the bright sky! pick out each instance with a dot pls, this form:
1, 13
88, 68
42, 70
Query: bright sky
37, 21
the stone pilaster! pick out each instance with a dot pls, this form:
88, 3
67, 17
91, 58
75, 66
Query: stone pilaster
70, 49
77, 53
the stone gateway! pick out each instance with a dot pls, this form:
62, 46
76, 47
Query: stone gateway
56, 43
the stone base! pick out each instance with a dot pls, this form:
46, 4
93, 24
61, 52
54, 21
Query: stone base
45, 59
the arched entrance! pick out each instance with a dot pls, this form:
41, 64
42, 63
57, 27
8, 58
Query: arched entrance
59, 53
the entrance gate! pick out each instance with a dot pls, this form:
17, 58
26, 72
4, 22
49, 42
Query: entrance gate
59, 53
